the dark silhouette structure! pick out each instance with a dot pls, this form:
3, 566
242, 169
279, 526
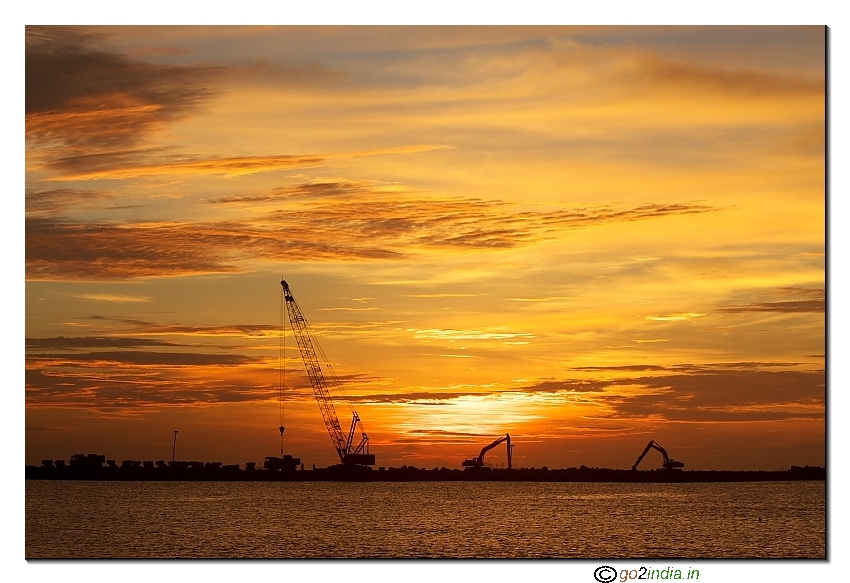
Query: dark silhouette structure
91, 460
348, 452
286, 463
478, 462
667, 464
285, 471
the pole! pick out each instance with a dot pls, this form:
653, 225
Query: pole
174, 447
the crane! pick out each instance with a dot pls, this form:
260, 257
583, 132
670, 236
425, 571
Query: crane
349, 454
668, 464
478, 462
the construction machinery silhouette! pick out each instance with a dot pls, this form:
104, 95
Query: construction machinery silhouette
349, 454
668, 464
478, 462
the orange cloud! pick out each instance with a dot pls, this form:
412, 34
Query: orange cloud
91, 167
56, 202
145, 328
811, 300
817, 306
324, 230
135, 377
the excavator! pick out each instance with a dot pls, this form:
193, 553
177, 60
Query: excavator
668, 464
478, 462
349, 453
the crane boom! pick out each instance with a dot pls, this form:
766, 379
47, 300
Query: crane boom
305, 339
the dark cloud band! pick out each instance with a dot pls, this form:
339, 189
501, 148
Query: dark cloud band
91, 99
324, 230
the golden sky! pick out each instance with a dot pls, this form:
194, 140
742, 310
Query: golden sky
586, 237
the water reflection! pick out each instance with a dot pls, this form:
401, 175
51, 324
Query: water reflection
434, 519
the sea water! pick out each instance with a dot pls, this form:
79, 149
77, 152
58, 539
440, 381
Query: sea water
81, 519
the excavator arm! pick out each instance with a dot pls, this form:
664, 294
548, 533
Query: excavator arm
643, 454
663, 453
487, 448
478, 462
668, 464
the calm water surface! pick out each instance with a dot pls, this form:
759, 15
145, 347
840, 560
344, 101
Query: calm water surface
431, 519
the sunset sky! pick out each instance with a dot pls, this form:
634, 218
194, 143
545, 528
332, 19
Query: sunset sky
584, 237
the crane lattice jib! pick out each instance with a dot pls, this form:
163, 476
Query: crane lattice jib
303, 336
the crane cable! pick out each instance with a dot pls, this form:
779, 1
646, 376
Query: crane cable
333, 376
281, 368
338, 385
328, 366
320, 352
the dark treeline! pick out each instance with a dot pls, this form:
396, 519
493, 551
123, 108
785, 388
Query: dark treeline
91, 467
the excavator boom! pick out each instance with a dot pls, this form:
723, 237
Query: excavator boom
643, 454
478, 462
668, 464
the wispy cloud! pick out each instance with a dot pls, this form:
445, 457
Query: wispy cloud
692, 78
541, 299
677, 317
58, 201
76, 342
129, 382
133, 164
115, 298
441, 433
138, 357
818, 306
318, 189
443, 295
452, 335
347, 309
132, 389
422, 397
146, 328
323, 230
802, 300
